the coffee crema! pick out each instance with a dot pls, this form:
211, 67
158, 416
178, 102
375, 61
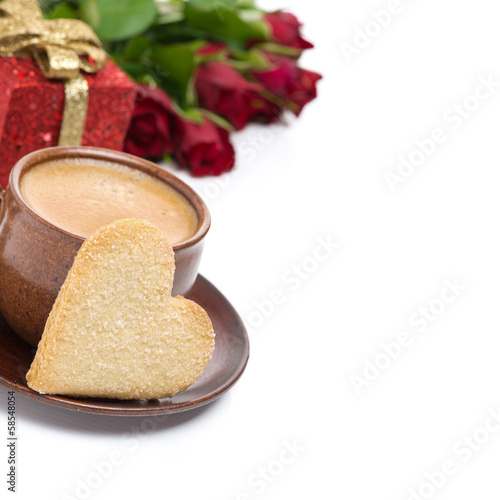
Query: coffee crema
81, 195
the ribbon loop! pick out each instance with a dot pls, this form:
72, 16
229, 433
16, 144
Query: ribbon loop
56, 62
62, 47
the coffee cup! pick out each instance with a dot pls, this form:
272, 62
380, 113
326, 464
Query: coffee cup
37, 247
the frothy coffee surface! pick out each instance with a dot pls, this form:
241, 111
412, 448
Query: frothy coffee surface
82, 195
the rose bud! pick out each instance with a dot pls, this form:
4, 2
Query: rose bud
285, 29
202, 147
222, 90
302, 90
149, 133
265, 111
296, 86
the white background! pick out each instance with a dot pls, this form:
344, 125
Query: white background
323, 176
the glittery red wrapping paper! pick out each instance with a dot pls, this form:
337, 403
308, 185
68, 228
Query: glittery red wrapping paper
31, 109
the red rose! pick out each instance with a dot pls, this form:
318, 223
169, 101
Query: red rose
286, 80
302, 90
203, 147
222, 90
149, 133
285, 28
278, 76
265, 111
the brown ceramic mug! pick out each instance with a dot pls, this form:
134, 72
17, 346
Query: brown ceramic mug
35, 255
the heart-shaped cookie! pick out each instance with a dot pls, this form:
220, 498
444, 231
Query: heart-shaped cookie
115, 331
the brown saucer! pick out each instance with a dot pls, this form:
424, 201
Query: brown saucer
227, 364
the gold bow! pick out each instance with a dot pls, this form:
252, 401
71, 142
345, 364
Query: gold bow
61, 47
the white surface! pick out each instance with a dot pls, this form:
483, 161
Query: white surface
323, 176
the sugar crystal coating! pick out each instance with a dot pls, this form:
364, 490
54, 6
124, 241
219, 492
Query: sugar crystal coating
115, 330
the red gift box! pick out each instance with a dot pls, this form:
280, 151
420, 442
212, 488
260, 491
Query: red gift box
31, 110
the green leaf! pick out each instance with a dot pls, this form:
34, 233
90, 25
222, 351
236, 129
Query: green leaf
134, 69
170, 12
222, 22
215, 56
123, 19
178, 32
48, 6
136, 47
173, 67
213, 4
250, 59
62, 11
228, 4
148, 80
280, 49
89, 12
171, 17
218, 120
251, 16
193, 114
245, 4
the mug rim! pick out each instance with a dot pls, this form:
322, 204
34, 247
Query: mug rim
131, 161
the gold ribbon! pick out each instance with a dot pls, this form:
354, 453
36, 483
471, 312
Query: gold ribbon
61, 47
